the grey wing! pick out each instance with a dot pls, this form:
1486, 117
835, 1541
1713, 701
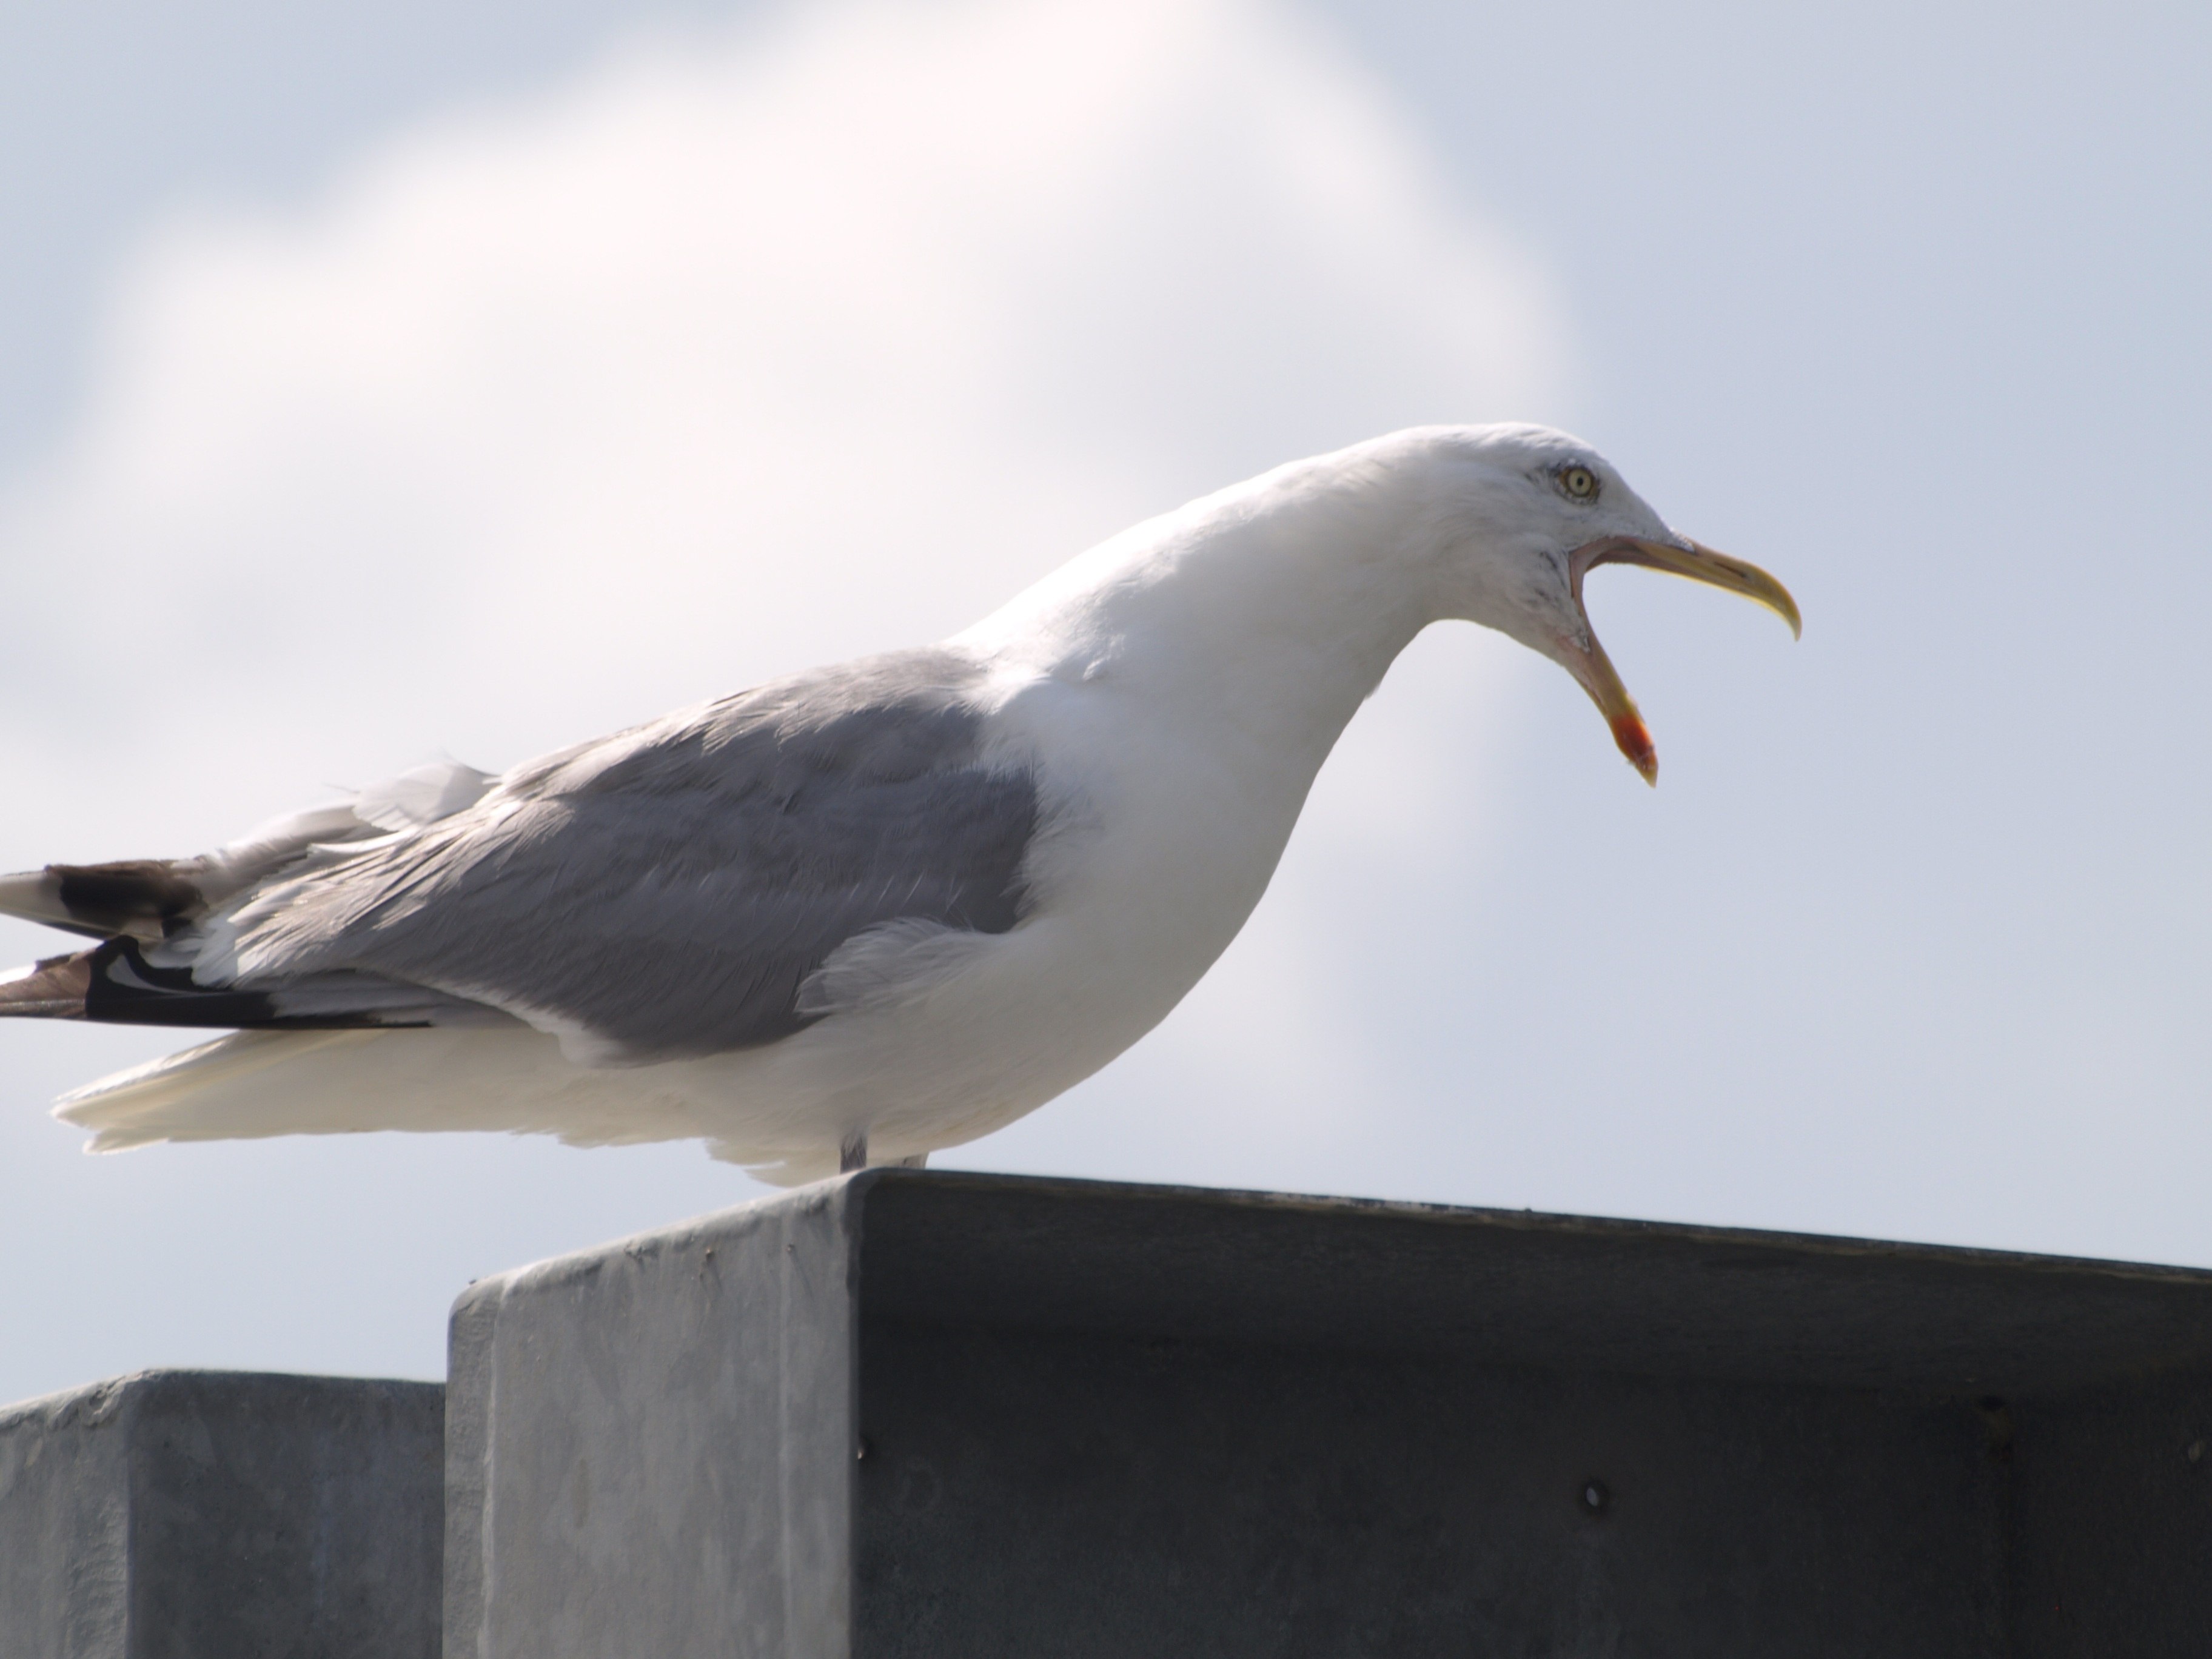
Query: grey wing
665, 893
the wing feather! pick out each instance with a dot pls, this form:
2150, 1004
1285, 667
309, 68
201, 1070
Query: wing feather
664, 893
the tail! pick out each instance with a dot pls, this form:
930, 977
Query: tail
509, 1079
134, 906
170, 1098
292, 1038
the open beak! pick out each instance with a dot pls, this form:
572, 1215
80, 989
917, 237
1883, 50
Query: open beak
1586, 658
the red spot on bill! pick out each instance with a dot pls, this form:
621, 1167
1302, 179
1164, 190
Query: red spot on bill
1635, 740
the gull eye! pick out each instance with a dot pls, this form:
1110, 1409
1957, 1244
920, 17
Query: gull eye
1579, 482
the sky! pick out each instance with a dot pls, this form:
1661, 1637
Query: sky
377, 386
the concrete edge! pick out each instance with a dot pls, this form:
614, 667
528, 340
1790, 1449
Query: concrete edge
1470, 1216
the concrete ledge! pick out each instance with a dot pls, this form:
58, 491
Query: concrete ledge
212, 1515
651, 1444
917, 1413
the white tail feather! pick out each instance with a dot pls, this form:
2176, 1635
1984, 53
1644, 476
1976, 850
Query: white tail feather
256, 1084
181, 1097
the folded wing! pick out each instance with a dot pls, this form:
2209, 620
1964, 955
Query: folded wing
660, 894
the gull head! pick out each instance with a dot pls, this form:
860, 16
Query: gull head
1520, 515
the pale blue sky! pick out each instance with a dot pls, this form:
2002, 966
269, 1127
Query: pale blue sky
1905, 302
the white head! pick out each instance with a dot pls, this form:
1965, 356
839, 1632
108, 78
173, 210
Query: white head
1511, 519
1307, 580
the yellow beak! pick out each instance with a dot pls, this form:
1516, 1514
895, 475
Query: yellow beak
1586, 659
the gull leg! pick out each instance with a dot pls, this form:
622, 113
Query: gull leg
918, 1161
853, 1152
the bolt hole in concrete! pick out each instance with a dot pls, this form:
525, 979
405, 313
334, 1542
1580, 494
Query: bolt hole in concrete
1595, 1499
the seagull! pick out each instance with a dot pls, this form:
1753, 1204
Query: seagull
868, 911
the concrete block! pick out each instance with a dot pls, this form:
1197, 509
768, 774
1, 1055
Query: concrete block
214, 1515
923, 1414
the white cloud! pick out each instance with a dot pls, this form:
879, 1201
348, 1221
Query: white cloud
749, 351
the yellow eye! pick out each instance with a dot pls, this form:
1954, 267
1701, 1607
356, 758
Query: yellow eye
1579, 482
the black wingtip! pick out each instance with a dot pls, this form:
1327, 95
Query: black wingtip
145, 898
139, 896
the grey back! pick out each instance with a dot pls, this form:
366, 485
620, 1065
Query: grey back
667, 890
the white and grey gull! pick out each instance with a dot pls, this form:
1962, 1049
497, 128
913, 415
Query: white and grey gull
862, 913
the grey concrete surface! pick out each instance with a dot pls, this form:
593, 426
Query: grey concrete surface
652, 1444
212, 1515
924, 1413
